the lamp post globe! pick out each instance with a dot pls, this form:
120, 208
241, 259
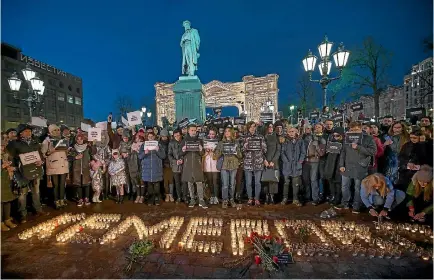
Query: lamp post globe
341, 57
309, 62
14, 82
36, 83
28, 73
144, 109
324, 48
149, 114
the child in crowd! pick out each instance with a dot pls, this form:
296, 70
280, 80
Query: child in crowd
118, 176
96, 173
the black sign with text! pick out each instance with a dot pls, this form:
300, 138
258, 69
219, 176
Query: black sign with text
266, 117
254, 144
229, 149
314, 115
240, 120
192, 146
183, 123
217, 122
285, 258
202, 135
352, 137
324, 117
412, 112
338, 118
333, 147
357, 107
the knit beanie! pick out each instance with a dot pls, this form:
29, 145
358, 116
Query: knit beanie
424, 174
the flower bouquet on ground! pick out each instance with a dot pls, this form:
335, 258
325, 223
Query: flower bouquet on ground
138, 250
270, 252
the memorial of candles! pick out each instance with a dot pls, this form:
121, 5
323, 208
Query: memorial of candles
202, 226
242, 228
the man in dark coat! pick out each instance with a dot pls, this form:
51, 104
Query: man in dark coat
192, 172
28, 175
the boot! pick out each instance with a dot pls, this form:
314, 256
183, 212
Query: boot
121, 199
137, 199
267, 199
86, 201
167, 198
171, 199
271, 199
118, 199
57, 204
10, 224
284, 201
63, 203
141, 199
238, 198
5, 227
157, 200
94, 199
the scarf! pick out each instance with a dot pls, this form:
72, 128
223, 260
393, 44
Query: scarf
27, 140
80, 147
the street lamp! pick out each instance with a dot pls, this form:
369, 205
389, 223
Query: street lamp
144, 109
291, 109
35, 88
340, 58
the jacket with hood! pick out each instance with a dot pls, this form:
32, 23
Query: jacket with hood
192, 168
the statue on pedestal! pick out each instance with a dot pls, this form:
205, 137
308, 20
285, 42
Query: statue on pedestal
190, 43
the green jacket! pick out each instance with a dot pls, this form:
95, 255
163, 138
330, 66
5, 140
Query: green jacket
410, 192
230, 162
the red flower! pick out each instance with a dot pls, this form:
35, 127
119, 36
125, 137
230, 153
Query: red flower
275, 259
258, 259
286, 250
267, 237
81, 228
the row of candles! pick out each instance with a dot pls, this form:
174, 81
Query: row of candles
405, 228
201, 226
242, 228
174, 224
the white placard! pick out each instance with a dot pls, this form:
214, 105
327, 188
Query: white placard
37, 121
29, 158
114, 125
151, 145
94, 134
134, 118
85, 126
210, 144
124, 121
102, 125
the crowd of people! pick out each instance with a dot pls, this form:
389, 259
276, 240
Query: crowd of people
378, 167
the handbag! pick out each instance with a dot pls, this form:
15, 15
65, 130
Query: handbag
219, 164
270, 175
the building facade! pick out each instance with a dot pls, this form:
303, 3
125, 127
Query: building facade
248, 96
392, 102
418, 86
62, 98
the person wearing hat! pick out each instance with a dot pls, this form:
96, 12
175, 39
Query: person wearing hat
11, 134
57, 166
167, 170
28, 175
125, 152
420, 193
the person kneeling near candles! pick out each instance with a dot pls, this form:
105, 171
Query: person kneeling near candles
420, 192
379, 196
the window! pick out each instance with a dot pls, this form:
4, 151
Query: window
60, 84
406, 88
61, 97
78, 101
13, 112
70, 99
78, 111
415, 92
61, 107
70, 88
71, 119
77, 90
53, 82
11, 99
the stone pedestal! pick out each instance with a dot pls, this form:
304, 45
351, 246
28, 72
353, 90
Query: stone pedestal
189, 99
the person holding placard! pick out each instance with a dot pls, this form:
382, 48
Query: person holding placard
102, 152
167, 170
80, 156
115, 138
175, 156
135, 168
125, 152
118, 175
254, 149
353, 164
152, 168
229, 166
209, 163
57, 165
192, 172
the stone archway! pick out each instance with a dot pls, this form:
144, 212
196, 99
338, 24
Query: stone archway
248, 95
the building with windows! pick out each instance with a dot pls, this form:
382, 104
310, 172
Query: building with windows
418, 86
62, 98
392, 102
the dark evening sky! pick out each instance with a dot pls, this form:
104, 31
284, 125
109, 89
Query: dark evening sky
125, 47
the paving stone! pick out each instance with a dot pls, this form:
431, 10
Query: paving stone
154, 257
151, 267
169, 269
304, 266
181, 259
202, 272
220, 273
185, 270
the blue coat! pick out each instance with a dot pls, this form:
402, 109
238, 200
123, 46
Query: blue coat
293, 155
152, 164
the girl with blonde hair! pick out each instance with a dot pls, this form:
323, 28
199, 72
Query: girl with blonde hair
379, 196
420, 192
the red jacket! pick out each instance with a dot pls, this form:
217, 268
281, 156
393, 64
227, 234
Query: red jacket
380, 150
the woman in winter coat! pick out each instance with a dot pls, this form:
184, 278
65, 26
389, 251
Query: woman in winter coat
80, 155
420, 192
152, 169
395, 140
272, 159
379, 196
293, 155
331, 171
229, 166
125, 151
7, 196
102, 152
134, 168
57, 165
210, 168
253, 163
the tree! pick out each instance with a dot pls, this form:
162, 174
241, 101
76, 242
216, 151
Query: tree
371, 62
428, 44
123, 105
306, 94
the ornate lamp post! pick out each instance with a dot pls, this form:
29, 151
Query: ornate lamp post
149, 114
291, 109
340, 57
35, 88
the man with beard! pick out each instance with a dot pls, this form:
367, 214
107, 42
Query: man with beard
385, 126
425, 121
167, 170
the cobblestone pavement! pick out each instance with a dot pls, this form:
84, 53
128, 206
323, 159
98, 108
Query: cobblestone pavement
49, 259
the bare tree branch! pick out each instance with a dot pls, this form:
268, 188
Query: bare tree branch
123, 104
306, 94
